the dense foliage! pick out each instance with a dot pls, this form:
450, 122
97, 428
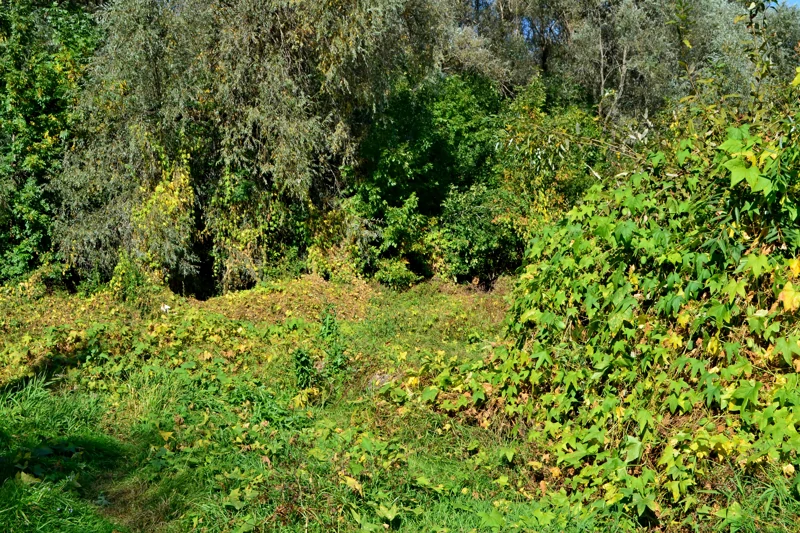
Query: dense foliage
43, 52
351, 186
655, 334
215, 143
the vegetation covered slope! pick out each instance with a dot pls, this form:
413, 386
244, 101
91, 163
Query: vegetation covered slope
259, 412
654, 337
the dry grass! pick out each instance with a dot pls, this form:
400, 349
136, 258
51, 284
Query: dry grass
305, 297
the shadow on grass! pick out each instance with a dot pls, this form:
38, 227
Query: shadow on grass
57, 459
96, 472
49, 484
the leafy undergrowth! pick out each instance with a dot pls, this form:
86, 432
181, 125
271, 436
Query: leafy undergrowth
255, 412
647, 380
306, 297
654, 344
119, 418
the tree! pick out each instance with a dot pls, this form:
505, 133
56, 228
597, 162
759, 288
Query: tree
259, 102
43, 49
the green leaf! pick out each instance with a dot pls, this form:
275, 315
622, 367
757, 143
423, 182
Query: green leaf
740, 172
234, 500
732, 146
356, 468
633, 449
748, 393
502, 481
787, 348
492, 519
430, 394
731, 513
735, 288
388, 513
757, 264
249, 524
624, 231
507, 453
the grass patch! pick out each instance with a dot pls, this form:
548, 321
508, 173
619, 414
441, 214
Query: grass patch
193, 420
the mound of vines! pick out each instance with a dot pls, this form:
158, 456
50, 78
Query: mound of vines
655, 341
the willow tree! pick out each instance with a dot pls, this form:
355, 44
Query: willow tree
631, 55
209, 127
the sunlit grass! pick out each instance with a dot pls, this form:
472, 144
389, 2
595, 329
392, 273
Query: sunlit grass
207, 431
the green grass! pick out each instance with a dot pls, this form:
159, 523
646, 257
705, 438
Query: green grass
193, 421
51, 457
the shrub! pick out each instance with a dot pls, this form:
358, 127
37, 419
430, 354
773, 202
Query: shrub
655, 329
43, 49
163, 225
395, 273
382, 245
477, 237
548, 158
429, 138
131, 283
254, 230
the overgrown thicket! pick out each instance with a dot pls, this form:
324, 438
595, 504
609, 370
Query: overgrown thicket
216, 144
634, 162
654, 340
44, 48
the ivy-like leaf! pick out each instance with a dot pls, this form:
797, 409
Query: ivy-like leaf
748, 393
757, 263
740, 171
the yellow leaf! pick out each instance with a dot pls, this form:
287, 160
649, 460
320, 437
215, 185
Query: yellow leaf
713, 346
165, 435
675, 340
790, 298
794, 266
28, 479
353, 484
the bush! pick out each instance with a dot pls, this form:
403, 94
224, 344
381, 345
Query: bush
656, 329
130, 283
396, 274
429, 138
548, 158
477, 237
399, 236
43, 49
